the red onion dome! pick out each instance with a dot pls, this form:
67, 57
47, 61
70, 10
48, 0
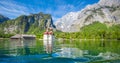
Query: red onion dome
46, 33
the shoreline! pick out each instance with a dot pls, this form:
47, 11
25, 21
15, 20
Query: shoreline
70, 39
80, 39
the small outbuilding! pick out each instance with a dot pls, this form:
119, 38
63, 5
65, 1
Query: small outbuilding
24, 36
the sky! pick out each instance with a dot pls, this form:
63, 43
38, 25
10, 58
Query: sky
57, 8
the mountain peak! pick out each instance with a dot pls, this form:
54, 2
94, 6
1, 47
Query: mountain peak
105, 11
109, 3
3, 18
25, 24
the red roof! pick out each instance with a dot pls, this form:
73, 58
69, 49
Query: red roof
46, 33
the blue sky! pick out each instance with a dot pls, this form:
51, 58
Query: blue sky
57, 8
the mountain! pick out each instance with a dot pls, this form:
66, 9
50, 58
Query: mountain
33, 23
105, 11
95, 30
3, 18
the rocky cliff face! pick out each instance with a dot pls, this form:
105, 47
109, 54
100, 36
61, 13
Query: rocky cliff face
33, 23
3, 18
105, 11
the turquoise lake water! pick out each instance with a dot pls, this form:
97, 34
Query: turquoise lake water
63, 51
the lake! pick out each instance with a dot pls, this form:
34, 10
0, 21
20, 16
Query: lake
63, 51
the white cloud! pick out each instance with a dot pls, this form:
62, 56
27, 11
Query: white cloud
66, 8
12, 8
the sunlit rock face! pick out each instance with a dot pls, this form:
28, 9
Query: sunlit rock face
66, 21
33, 23
110, 3
105, 11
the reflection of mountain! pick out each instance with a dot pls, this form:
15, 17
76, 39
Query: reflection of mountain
104, 57
108, 55
21, 46
71, 53
75, 53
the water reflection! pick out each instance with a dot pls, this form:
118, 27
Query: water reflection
91, 50
68, 51
48, 47
18, 45
108, 55
102, 44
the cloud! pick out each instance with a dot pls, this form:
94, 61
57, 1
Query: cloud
66, 8
58, 8
12, 8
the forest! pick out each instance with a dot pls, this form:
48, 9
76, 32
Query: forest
93, 31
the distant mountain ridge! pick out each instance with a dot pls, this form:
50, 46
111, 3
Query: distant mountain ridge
3, 18
105, 11
33, 23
